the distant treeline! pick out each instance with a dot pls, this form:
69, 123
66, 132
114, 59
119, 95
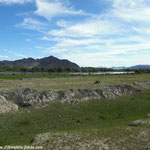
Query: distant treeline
138, 70
57, 69
63, 69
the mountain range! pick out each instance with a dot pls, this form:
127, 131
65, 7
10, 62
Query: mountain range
46, 62
51, 62
133, 67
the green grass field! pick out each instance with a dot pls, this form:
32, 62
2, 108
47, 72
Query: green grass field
91, 120
104, 115
64, 82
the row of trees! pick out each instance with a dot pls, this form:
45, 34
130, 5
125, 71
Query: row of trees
57, 69
138, 70
63, 69
142, 71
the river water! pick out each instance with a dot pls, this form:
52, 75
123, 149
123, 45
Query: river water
71, 73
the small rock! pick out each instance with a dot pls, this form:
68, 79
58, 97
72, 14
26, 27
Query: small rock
148, 116
129, 129
59, 116
135, 123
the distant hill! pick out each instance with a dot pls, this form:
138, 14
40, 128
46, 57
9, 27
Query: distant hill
132, 67
140, 67
46, 62
119, 68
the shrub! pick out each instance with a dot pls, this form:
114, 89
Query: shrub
97, 82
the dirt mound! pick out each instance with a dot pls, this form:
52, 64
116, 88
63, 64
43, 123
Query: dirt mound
69, 141
6, 107
143, 84
126, 139
30, 97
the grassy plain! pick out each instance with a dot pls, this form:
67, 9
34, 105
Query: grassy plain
64, 82
105, 120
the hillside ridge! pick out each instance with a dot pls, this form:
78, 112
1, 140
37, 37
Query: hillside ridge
46, 62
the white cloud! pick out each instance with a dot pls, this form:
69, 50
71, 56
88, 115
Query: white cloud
14, 1
90, 28
132, 10
116, 36
20, 55
1, 56
106, 59
119, 35
124, 17
66, 42
97, 52
77, 42
52, 50
12, 53
53, 8
92, 59
32, 24
62, 23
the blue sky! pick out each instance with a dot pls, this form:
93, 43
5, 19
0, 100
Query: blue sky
88, 32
